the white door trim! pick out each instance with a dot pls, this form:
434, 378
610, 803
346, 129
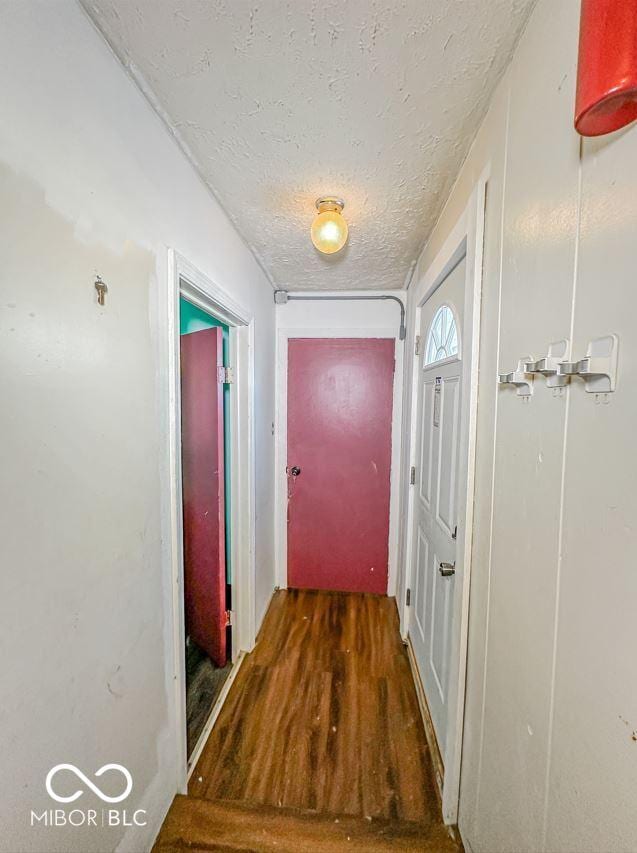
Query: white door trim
466, 238
184, 279
281, 485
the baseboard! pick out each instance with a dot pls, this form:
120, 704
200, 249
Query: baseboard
430, 734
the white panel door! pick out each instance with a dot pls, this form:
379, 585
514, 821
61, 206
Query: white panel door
438, 431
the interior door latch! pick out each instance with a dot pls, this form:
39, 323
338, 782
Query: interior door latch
447, 569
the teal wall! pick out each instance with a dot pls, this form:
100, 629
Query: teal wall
193, 319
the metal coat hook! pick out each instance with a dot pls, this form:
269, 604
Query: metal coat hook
521, 378
598, 368
101, 289
549, 365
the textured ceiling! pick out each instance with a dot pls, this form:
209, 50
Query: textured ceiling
280, 102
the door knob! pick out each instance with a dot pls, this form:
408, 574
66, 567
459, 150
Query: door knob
447, 569
295, 471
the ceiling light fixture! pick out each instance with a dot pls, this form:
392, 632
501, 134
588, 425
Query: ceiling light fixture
329, 229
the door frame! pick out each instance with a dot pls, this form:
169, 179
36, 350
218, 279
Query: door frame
466, 239
281, 432
186, 280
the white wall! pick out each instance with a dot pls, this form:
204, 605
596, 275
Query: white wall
91, 182
550, 758
363, 314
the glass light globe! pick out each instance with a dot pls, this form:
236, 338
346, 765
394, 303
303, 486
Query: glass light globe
329, 229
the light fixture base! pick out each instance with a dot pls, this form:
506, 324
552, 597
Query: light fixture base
329, 202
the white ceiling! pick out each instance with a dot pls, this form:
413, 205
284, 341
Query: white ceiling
280, 102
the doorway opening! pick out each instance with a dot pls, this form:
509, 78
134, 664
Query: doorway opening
339, 459
339, 399
211, 513
440, 509
206, 485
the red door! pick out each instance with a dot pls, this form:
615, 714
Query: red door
203, 495
339, 436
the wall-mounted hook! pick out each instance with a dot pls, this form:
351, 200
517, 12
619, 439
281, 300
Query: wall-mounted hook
520, 378
101, 289
548, 366
599, 367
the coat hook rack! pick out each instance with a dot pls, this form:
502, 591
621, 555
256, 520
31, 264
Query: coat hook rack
521, 378
549, 365
598, 368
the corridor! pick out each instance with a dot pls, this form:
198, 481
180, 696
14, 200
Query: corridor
323, 718
318, 338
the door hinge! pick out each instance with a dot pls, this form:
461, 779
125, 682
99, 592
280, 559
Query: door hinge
225, 375
412, 476
408, 597
417, 346
229, 618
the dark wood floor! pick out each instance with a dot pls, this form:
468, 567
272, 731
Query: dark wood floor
320, 741
220, 825
204, 681
323, 715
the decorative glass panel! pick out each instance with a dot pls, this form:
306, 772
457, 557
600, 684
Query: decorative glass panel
442, 340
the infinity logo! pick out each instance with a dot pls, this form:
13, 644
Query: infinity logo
52, 772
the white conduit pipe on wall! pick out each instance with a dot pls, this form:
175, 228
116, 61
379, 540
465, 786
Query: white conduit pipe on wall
282, 296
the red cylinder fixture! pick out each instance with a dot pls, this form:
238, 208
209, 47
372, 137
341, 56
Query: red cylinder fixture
607, 69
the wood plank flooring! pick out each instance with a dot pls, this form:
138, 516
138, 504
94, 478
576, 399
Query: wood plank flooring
206, 825
323, 716
204, 682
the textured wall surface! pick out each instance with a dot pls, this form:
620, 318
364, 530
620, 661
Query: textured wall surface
279, 103
550, 738
91, 182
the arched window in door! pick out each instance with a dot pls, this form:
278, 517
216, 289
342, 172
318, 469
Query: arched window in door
442, 340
